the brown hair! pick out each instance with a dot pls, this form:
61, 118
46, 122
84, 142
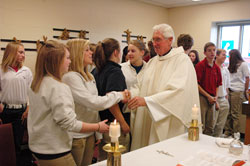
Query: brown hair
9, 57
49, 60
151, 49
197, 59
235, 60
219, 51
76, 48
146, 52
209, 44
124, 53
92, 47
186, 41
103, 52
139, 44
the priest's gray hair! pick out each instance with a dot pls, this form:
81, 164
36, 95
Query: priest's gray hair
166, 30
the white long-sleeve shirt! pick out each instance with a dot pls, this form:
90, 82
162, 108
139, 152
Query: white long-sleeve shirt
225, 81
50, 117
132, 78
87, 101
14, 85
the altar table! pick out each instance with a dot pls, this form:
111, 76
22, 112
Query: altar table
180, 147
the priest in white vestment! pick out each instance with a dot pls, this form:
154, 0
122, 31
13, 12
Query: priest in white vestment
166, 94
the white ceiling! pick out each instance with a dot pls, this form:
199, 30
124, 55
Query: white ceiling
178, 3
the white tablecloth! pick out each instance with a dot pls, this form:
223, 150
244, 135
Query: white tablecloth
180, 147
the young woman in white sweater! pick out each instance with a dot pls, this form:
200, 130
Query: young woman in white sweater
52, 112
87, 101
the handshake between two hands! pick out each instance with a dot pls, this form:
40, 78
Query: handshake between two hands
134, 102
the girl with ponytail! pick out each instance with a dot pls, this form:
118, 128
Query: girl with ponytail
109, 77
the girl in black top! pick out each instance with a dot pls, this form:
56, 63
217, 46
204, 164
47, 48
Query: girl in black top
109, 77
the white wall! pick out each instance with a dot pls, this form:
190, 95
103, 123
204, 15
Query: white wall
31, 19
197, 20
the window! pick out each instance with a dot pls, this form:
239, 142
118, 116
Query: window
235, 35
246, 42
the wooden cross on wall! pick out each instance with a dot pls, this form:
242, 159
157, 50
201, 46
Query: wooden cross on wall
128, 35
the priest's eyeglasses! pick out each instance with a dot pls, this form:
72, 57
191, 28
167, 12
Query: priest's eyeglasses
157, 40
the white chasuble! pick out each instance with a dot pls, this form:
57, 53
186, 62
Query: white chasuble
169, 86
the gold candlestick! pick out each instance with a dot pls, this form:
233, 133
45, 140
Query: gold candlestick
193, 131
114, 153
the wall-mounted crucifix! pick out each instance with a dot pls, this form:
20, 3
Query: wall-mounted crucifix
129, 36
39, 43
65, 34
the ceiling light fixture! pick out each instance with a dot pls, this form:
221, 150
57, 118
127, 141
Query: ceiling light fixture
196, 0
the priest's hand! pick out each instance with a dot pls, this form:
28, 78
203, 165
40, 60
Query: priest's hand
136, 102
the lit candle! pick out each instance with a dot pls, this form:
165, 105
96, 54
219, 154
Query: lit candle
195, 112
114, 131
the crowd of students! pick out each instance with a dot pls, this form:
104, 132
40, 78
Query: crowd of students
69, 108
222, 87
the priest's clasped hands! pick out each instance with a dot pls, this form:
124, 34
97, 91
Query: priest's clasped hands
136, 102
133, 103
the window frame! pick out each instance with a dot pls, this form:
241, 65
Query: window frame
242, 23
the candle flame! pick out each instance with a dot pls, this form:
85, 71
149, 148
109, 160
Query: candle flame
115, 121
195, 105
